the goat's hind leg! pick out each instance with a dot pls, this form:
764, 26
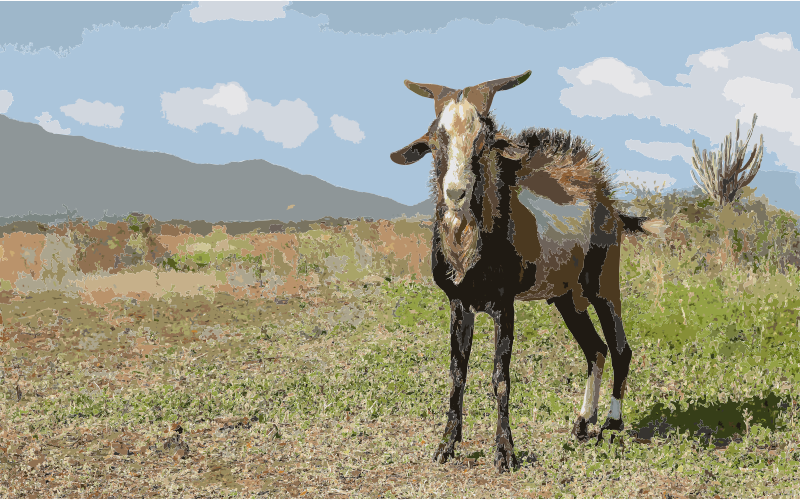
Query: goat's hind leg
462, 324
595, 351
621, 355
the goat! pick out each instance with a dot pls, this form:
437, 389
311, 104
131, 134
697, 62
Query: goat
528, 218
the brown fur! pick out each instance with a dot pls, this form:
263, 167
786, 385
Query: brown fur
554, 165
490, 205
460, 241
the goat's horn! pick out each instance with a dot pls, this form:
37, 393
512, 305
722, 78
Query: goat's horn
481, 95
438, 93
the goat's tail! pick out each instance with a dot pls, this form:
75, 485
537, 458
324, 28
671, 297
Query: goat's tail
643, 225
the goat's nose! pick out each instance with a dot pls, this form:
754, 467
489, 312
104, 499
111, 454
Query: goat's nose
456, 194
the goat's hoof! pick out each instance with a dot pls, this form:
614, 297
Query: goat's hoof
452, 433
504, 458
580, 429
443, 453
611, 424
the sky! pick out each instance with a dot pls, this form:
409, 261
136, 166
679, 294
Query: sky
317, 87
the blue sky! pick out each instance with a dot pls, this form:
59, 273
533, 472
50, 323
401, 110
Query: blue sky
317, 87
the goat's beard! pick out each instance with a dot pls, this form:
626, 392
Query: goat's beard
459, 237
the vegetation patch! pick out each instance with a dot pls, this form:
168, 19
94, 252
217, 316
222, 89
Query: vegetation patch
338, 387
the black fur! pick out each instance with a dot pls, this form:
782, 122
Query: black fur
500, 274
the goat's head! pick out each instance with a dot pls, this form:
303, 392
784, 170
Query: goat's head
458, 137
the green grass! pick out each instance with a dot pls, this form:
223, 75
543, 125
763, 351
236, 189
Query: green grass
722, 365
346, 396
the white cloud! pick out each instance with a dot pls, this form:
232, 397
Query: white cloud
239, 11
95, 113
231, 97
771, 101
714, 59
6, 98
613, 72
663, 151
776, 43
346, 129
288, 122
760, 78
645, 179
46, 121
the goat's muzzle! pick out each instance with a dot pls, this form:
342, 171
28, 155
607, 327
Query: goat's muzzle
457, 187
456, 198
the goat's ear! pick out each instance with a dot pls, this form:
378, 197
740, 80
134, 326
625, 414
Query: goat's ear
411, 153
508, 149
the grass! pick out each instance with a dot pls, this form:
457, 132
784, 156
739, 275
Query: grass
342, 392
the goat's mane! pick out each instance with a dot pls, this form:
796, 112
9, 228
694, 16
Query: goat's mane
568, 150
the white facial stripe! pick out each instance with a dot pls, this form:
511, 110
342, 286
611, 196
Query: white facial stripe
592, 394
462, 125
455, 179
560, 226
615, 411
460, 117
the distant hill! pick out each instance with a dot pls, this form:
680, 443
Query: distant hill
42, 172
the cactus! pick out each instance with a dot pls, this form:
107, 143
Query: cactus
723, 174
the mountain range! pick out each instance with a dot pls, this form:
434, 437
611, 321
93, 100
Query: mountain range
43, 173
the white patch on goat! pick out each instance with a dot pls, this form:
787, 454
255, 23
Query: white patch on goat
615, 411
592, 394
560, 227
462, 124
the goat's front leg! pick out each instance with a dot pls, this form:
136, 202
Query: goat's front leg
503, 314
462, 323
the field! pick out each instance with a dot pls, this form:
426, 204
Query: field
140, 359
